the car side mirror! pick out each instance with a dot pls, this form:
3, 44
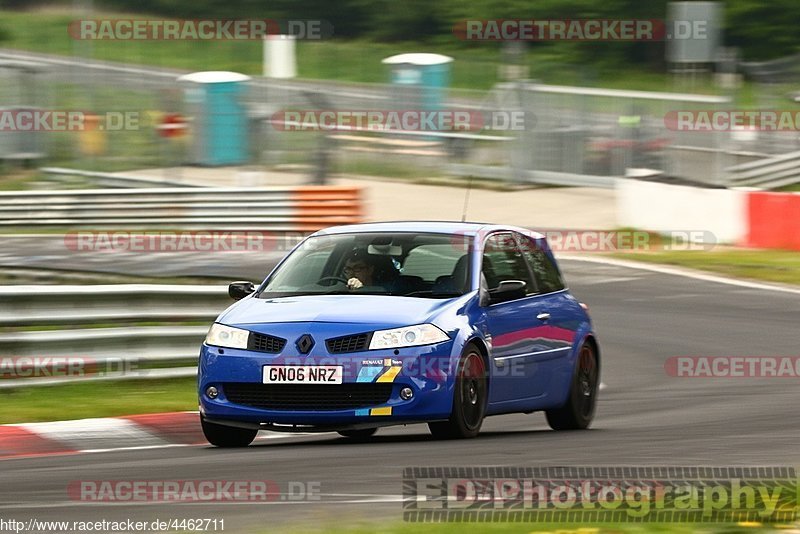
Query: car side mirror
508, 290
239, 290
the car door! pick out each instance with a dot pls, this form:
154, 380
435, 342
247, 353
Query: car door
558, 312
520, 345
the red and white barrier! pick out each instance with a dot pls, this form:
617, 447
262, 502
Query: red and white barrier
773, 220
755, 219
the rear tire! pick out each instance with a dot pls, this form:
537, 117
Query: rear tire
469, 399
358, 435
578, 412
227, 436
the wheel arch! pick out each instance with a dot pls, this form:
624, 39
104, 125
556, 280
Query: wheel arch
481, 344
592, 340
483, 349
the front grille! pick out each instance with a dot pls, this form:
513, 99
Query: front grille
352, 343
307, 396
264, 343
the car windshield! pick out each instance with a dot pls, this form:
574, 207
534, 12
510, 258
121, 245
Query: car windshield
400, 264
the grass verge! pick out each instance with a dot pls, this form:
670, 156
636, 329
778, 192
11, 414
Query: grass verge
112, 398
16, 178
782, 266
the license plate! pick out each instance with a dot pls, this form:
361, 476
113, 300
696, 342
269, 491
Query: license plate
302, 374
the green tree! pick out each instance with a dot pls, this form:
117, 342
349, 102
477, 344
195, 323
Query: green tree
763, 30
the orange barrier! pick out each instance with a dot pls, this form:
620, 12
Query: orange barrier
321, 206
773, 220
282, 208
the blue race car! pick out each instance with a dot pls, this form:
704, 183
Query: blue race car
380, 324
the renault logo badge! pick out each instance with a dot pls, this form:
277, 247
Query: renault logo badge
304, 343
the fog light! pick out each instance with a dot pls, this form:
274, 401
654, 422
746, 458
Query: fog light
406, 393
211, 392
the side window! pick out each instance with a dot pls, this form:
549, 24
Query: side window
544, 269
502, 260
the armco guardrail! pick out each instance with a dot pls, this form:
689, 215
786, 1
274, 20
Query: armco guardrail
111, 179
40, 345
52, 305
767, 173
294, 209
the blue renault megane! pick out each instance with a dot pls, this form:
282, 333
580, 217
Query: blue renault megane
371, 325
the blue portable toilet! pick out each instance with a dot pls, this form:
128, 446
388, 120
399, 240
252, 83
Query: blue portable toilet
420, 80
219, 128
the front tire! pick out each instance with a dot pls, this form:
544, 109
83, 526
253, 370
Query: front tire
578, 412
469, 399
227, 436
358, 435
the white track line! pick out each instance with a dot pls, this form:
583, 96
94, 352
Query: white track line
677, 271
259, 439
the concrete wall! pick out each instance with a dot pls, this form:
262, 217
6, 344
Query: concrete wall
665, 208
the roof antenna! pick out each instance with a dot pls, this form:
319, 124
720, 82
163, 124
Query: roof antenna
466, 198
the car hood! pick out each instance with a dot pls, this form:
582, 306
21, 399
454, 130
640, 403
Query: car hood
352, 309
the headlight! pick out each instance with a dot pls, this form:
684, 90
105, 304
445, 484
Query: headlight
408, 336
227, 336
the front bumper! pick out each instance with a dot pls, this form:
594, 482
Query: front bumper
428, 371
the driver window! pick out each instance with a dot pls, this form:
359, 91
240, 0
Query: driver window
502, 260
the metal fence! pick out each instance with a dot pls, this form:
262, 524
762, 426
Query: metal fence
56, 334
605, 132
573, 135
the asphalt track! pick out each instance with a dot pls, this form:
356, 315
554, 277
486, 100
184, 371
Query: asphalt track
644, 418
